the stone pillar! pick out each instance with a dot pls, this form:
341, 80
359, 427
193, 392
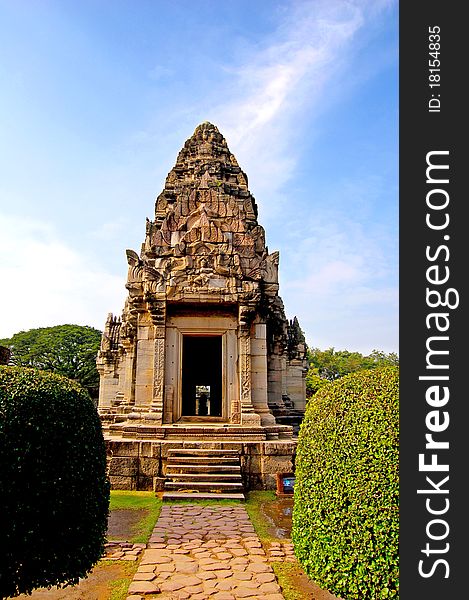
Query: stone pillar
172, 375
274, 381
158, 314
259, 374
296, 383
145, 366
109, 384
248, 415
158, 375
283, 361
128, 385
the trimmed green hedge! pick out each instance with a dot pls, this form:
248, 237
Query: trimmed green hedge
54, 492
346, 499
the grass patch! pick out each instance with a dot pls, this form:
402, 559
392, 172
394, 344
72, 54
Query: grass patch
289, 576
125, 499
118, 587
146, 501
254, 503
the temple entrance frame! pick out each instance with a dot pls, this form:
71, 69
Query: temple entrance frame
179, 328
201, 376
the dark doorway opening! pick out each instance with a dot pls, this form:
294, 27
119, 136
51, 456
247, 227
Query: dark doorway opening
201, 376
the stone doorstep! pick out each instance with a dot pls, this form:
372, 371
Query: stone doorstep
168, 496
219, 452
200, 485
236, 476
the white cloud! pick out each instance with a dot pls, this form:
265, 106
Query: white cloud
45, 282
282, 81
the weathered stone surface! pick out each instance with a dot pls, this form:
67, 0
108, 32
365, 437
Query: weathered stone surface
204, 269
143, 587
186, 576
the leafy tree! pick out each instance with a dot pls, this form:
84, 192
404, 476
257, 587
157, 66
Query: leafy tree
68, 350
54, 497
331, 364
346, 511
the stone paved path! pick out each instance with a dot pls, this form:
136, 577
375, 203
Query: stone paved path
204, 553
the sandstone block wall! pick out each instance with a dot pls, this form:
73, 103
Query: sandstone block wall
141, 465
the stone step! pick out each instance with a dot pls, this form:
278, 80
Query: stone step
230, 453
168, 496
201, 468
205, 486
204, 476
202, 460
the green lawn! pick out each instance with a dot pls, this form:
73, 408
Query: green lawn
146, 501
289, 575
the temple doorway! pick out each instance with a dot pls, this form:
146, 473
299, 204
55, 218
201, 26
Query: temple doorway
202, 376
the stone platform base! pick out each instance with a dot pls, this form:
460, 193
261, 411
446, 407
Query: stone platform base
140, 464
142, 430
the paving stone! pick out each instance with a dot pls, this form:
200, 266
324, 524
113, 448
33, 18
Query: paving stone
259, 567
206, 575
157, 539
159, 560
146, 569
225, 585
238, 551
249, 585
207, 561
244, 592
203, 554
182, 595
242, 575
165, 568
217, 566
144, 576
143, 587
186, 567
239, 561
265, 577
171, 586
270, 588
222, 574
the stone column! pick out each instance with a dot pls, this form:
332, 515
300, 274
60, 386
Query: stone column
128, 387
296, 383
259, 374
158, 314
144, 366
109, 383
248, 415
158, 375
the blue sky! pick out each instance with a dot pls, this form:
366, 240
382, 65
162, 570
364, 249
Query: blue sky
97, 97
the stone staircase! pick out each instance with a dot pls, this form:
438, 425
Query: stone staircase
203, 473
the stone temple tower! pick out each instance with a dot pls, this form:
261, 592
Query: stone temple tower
203, 346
